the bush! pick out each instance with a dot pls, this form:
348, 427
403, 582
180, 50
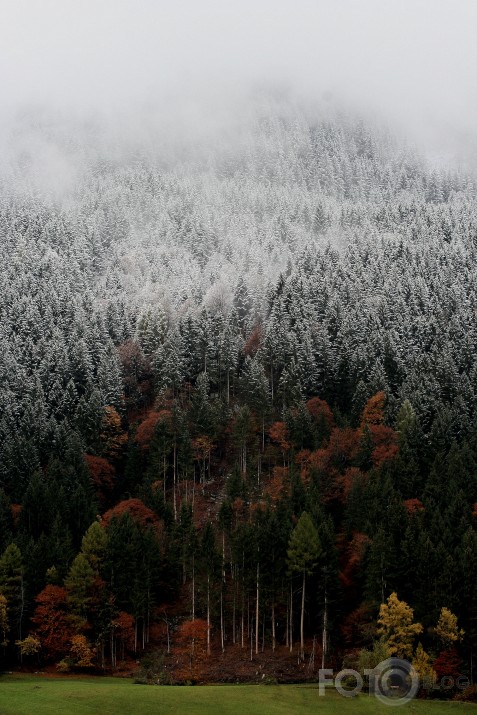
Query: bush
469, 695
152, 670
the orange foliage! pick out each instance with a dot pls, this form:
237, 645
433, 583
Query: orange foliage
277, 486
202, 447
345, 481
54, 625
253, 342
145, 431
413, 505
112, 434
102, 475
16, 510
320, 460
278, 433
384, 443
137, 509
356, 624
123, 626
373, 413
320, 411
303, 459
352, 558
190, 648
343, 446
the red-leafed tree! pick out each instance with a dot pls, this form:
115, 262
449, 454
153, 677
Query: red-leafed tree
145, 431
102, 475
342, 447
373, 413
278, 485
278, 433
413, 506
55, 627
322, 418
122, 636
385, 444
253, 341
448, 663
190, 649
137, 509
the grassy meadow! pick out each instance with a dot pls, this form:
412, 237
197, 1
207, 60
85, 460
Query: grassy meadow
39, 695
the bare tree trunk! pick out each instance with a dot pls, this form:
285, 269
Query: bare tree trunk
291, 617
222, 634
208, 614
193, 589
287, 636
273, 627
166, 621
222, 582
257, 611
324, 642
175, 481
302, 619
234, 607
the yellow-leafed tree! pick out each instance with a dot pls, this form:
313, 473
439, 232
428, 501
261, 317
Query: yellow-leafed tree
396, 626
423, 667
447, 630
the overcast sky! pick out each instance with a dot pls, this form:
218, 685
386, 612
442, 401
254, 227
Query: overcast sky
413, 60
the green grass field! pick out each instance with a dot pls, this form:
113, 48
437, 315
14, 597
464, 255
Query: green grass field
37, 695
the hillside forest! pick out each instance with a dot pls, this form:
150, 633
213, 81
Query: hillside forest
238, 402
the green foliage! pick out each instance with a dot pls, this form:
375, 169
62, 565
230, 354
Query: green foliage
304, 547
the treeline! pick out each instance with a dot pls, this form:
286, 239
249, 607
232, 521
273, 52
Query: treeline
249, 531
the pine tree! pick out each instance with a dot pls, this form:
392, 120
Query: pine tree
304, 549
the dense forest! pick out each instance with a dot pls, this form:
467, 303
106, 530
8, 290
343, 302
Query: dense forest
238, 398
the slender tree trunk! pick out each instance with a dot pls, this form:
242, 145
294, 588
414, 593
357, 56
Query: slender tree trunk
324, 644
273, 627
222, 583
208, 614
291, 617
287, 635
302, 619
243, 599
193, 589
222, 634
234, 606
175, 481
257, 611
